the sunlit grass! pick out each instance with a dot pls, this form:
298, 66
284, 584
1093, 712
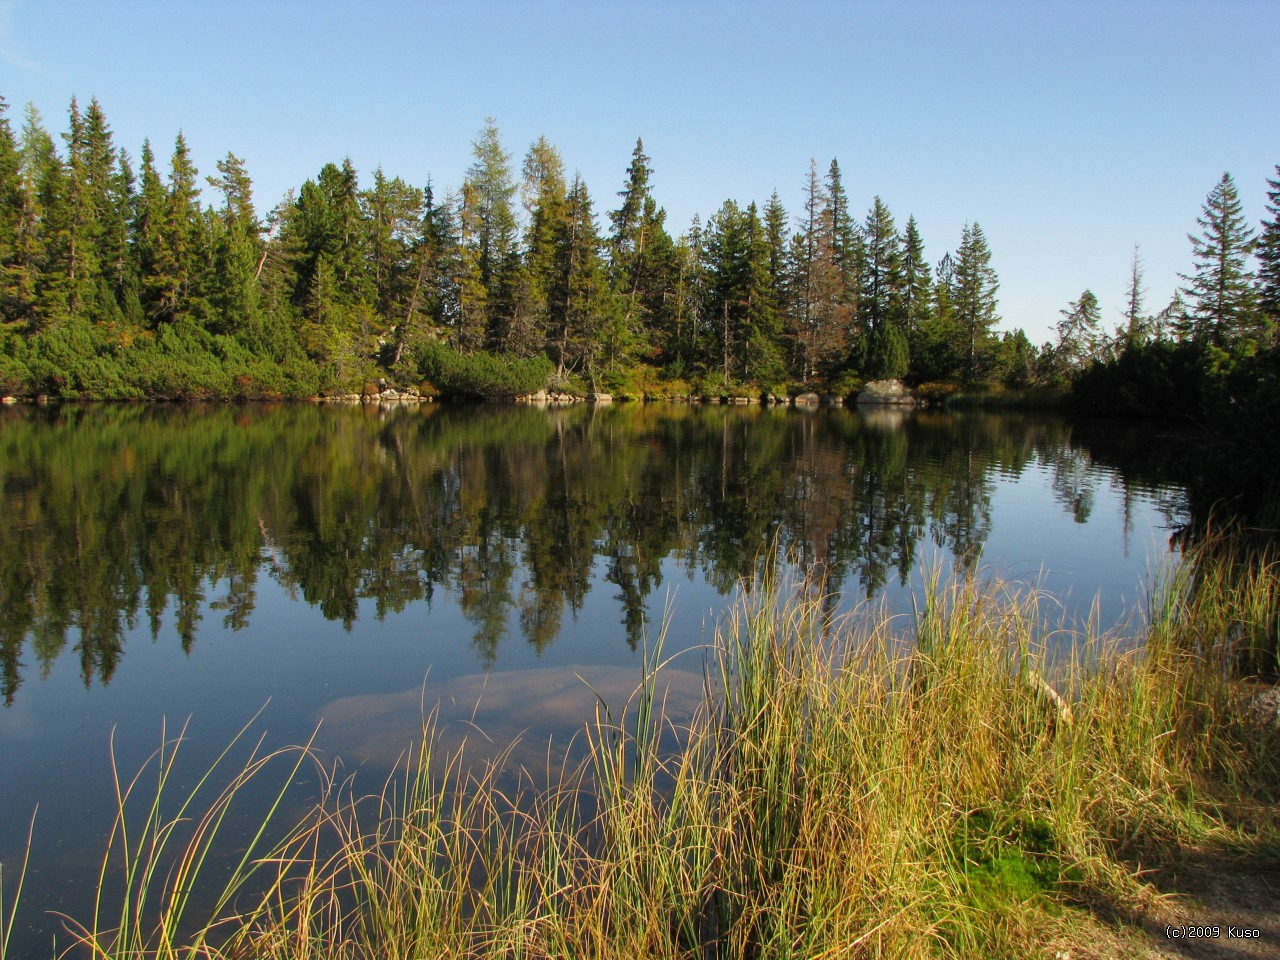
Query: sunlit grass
932, 786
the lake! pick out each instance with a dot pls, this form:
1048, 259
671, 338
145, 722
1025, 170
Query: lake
351, 566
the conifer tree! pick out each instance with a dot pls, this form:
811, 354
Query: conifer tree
581, 302
149, 208
542, 194
15, 289
432, 295
1136, 329
1079, 334
79, 220
641, 254
1219, 291
917, 282
885, 346
180, 243
490, 224
45, 223
823, 311
974, 300
1269, 262
237, 250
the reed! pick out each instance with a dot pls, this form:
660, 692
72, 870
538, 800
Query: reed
857, 786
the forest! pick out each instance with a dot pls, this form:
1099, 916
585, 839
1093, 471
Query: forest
118, 281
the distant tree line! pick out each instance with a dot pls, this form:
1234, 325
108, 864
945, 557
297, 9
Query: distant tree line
116, 280
1210, 357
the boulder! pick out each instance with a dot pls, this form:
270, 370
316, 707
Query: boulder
599, 398
886, 391
807, 400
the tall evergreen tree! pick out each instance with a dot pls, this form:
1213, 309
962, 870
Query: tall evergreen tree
180, 243
543, 195
823, 309
1136, 329
1079, 334
1219, 291
46, 223
1269, 261
15, 284
490, 224
884, 352
581, 303
974, 300
917, 283
237, 250
640, 256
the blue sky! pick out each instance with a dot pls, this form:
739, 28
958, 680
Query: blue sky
1070, 131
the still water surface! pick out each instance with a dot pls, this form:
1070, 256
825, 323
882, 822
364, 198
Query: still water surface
165, 563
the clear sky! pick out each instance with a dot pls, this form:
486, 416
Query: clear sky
1069, 130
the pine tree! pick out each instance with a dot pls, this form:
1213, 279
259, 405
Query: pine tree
432, 296
149, 206
1220, 290
884, 351
1137, 328
177, 256
974, 300
938, 349
391, 211
641, 252
78, 206
542, 194
490, 225
582, 308
45, 229
823, 309
1269, 262
917, 283
237, 250
15, 283
1079, 334
108, 188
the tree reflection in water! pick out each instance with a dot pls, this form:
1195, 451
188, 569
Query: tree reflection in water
115, 513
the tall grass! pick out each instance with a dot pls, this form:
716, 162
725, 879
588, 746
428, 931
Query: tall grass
933, 787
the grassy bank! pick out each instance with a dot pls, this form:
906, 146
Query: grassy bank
861, 787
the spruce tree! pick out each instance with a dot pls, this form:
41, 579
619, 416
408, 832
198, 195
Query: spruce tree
1136, 330
641, 256
917, 284
1269, 261
543, 196
14, 284
491, 223
46, 226
973, 300
237, 250
1079, 334
1219, 291
884, 351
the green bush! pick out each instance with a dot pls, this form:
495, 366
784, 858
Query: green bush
484, 375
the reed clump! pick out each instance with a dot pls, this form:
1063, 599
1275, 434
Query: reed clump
851, 787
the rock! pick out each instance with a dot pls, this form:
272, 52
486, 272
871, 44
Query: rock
886, 391
832, 400
1264, 708
807, 400
8, 399
599, 398
539, 397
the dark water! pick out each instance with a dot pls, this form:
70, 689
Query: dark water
165, 563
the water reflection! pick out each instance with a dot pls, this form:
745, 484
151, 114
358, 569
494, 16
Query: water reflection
117, 515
